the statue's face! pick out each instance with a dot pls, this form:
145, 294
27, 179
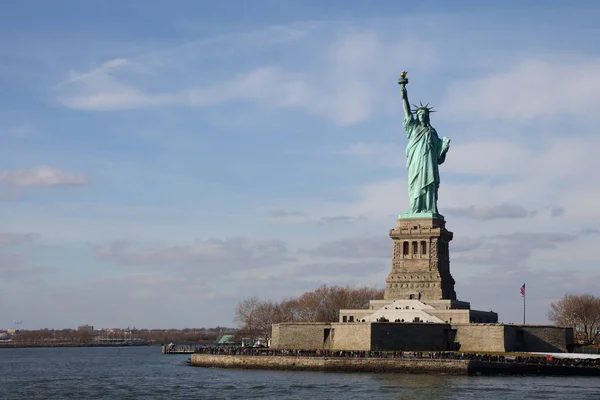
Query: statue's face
423, 116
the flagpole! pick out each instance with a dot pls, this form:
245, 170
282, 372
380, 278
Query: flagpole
524, 294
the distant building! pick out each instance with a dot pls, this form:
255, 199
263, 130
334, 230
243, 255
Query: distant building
85, 328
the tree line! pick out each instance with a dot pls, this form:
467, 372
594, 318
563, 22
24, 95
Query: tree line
156, 336
323, 304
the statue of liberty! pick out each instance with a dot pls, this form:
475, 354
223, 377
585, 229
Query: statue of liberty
424, 152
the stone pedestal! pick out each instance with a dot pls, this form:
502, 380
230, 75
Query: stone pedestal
420, 261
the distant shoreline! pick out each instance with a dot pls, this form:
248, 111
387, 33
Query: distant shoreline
26, 346
386, 365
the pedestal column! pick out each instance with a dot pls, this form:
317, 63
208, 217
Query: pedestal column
420, 261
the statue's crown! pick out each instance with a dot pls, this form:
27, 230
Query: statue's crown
422, 107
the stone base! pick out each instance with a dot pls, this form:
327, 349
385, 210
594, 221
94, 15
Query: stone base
420, 261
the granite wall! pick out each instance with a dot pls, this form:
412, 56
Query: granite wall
299, 336
480, 337
501, 338
363, 336
355, 336
540, 338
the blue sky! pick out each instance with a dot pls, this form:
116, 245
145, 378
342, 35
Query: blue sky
161, 162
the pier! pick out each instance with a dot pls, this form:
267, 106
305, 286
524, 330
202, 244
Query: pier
453, 363
450, 366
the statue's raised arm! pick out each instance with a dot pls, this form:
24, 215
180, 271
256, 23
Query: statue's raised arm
402, 82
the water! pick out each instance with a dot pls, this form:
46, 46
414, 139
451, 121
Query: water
143, 373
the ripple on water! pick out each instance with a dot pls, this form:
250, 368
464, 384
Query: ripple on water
133, 373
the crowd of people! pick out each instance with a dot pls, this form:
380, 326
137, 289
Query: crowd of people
438, 355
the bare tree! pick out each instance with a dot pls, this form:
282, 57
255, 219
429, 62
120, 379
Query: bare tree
322, 304
246, 315
267, 314
581, 312
257, 316
325, 302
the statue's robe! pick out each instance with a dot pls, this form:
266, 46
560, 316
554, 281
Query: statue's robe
424, 152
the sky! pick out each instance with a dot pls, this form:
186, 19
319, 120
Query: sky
162, 161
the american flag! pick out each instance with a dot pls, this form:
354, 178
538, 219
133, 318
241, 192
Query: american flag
523, 290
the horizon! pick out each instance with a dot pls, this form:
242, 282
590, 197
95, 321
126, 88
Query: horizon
161, 163
122, 329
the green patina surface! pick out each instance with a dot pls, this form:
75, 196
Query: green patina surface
408, 215
425, 151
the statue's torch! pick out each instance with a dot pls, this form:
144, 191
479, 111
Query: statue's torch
403, 80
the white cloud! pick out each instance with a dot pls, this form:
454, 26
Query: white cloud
269, 85
380, 154
352, 271
210, 256
513, 249
533, 88
342, 78
102, 88
465, 244
287, 216
280, 213
379, 199
489, 157
360, 247
344, 219
505, 210
42, 176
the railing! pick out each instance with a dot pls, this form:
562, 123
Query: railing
180, 349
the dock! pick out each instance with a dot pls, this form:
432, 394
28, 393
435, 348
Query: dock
447, 366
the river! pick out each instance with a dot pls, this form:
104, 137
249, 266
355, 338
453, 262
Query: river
143, 373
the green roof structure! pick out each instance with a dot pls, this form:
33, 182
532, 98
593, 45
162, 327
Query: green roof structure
226, 339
